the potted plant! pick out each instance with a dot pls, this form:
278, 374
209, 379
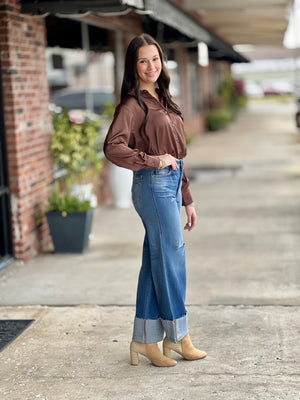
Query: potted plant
76, 150
217, 119
226, 106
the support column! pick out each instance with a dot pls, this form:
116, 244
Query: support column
28, 124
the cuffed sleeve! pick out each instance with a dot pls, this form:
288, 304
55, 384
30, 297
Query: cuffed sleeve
185, 191
116, 145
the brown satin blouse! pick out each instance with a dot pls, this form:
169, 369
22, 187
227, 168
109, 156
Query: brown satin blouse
127, 147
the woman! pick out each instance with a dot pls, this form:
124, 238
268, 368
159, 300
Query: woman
147, 136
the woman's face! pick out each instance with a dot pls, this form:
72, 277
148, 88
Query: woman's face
148, 65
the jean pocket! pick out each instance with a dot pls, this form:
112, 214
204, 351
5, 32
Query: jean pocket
165, 185
160, 173
136, 190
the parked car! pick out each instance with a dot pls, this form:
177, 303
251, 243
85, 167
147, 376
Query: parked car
76, 99
252, 89
272, 88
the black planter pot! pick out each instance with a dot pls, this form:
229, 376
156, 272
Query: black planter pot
70, 233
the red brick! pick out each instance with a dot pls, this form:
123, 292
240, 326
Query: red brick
28, 122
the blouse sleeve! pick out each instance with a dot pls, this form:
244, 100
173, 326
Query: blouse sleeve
116, 148
185, 191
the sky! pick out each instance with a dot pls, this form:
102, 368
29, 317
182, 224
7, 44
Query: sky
292, 36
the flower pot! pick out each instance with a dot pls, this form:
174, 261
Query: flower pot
120, 182
70, 231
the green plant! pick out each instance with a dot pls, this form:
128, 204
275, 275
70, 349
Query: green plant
226, 105
226, 90
109, 111
217, 119
76, 145
189, 138
65, 203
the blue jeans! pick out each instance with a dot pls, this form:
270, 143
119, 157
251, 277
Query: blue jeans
160, 308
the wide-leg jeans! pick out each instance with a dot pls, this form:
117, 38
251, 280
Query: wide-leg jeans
160, 304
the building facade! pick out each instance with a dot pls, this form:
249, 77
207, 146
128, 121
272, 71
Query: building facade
27, 29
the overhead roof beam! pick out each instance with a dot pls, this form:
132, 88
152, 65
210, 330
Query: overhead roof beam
237, 20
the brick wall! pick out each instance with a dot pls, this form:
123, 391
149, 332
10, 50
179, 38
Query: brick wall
28, 124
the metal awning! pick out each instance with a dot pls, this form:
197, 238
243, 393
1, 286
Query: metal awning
78, 6
178, 25
169, 14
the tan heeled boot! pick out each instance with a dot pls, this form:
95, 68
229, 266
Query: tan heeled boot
184, 347
151, 351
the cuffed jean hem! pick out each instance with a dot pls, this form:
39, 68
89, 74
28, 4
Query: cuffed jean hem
176, 330
152, 330
148, 330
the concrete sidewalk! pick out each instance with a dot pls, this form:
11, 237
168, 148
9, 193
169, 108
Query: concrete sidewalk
243, 285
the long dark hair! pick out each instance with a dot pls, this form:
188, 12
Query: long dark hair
131, 81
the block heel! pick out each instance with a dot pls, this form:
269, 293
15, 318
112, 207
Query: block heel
134, 357
152, 352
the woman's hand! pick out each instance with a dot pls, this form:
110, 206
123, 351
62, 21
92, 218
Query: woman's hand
191, 217
170, 160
